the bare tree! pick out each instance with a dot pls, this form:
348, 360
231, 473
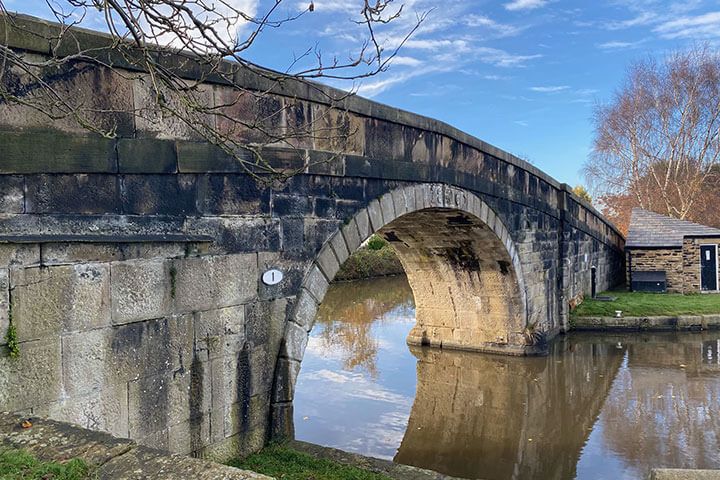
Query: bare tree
211, 38
657, 144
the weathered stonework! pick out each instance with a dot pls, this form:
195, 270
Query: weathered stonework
681, 265
669, 260
691, 261
131, 266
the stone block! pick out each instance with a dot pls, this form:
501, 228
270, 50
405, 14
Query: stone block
305, 310
365, 229
64, 253
399, 201
214, 281
249, 117
388, 208
190, 437
153, 120
287, 373
337, 242
78, 193
146, 155
52, 300
159, 194
376, 217
219, 332
102, 97
204, 157
15, 255
49, 151
232, 195
238, 234
248, 417
293, 271
126, 352
327, 262
104, 410
265, 324
33, 378
158, 402
316, 283
12, 194
295, 341
140, 290
351, 234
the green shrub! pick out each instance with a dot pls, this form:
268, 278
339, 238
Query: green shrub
376, 243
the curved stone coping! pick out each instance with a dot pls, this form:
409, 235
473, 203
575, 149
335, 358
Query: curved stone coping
107, 456
657, 323
40, 36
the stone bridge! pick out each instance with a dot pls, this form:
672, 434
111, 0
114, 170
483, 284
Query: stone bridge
130, 267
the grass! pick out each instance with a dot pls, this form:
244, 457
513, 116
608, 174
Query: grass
285, 463
20, 465
638, 304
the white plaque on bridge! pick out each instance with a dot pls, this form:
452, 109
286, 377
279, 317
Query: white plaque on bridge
272, 277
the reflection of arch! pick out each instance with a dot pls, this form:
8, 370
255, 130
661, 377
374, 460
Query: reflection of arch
461, 263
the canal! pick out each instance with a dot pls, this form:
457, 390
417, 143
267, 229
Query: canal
599, 406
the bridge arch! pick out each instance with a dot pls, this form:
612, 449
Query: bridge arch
462, 266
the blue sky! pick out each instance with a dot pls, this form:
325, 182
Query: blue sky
523, 75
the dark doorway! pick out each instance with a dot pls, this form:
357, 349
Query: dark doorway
708, 267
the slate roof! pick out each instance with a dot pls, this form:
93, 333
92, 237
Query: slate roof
649, 229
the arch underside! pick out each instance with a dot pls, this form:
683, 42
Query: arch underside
466, 289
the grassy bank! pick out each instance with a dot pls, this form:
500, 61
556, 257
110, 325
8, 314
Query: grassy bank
376, 259
20, 465
284, 463
638, 304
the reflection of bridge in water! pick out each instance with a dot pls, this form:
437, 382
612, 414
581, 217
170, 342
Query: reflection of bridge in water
656, 397
498, 417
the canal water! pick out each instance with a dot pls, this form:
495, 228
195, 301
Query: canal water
599, 406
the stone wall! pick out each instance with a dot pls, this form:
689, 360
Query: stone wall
157, 342
130, 265
682, 265
691, 261
669, 260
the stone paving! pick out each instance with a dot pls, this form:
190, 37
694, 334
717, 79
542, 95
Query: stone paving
109, 458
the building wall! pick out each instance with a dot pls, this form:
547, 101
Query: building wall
658, 259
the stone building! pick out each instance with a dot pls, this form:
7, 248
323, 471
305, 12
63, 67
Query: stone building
667, 254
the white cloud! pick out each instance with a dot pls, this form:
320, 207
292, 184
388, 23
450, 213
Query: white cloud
501, 29
615, 45
501, 58
525, 4
644, 18
550, 89
699, 26
407, 61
